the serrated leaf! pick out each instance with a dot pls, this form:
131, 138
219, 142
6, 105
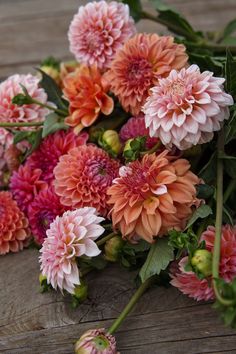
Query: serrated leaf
135, 7
53, 91
202, 212
159, 256
230, 73
51, 124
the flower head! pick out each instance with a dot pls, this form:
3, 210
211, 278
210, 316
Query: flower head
6, 140
139, 64
83, 176
25, 184
10, 112
188, 282
96, 341
14, 231
98, 30
69, 236
185, 108
86, 92
42, 211
51, 148
134, 128
152, 196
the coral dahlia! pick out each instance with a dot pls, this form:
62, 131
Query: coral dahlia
135, 127
185, 108
51, 148
86, 91
189, 284
83, 176
42, 211
139, 64
98, 30
69, 236
152, 196
10, 112
14, 231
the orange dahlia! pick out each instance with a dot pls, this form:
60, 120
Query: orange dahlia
139, 63
152, 196
86, 91
83, 176
14, 231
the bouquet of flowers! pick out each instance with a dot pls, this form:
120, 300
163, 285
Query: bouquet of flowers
125, 155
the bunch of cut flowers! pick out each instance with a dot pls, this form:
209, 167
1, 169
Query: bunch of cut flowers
126, 154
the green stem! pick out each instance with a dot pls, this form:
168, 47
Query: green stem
217, 48
231, 187
23, 124
105, 239
143, 287
56, 110
153, 149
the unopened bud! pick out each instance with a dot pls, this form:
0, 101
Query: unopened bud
111, 141
202, 262
113, 248
96, 341
52, 72
81, 292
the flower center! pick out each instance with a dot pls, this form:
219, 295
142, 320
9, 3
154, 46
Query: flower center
93, 41
101, 343
139, 72
176, 88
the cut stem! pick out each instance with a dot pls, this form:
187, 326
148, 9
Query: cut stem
105, 239
153, 149
143, 287
20, 124
56, 110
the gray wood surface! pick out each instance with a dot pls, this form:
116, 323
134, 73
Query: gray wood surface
164, 321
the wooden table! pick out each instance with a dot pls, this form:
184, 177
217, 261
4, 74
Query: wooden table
164, 321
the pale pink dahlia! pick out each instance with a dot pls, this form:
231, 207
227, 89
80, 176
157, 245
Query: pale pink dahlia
189, 284
186, 108
25, 184
69, 236
10, 112
42, 211
96, 341
83, 176
51, 148
98, 30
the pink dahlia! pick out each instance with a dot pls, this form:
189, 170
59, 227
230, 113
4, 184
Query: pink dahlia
69, 236
42, 211
96, 341
139, 64
98, 30
10, 112
190, 284
83, 176
14, 231
186, 108
52, 147
25, 184
136, 127
6, 140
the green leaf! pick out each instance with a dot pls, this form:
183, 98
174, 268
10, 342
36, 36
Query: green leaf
207, 173
51, 124
230, 128
159, 256
135, 8
230, 166
228, 41
229, 28
206, 62
178, 23
35, 139
227, 218
230, 73
204, 191
53, 91
141, 246
202, 212
21, 135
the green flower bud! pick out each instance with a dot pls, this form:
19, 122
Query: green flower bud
112, 248
202, 262
52, 72
96, 341
81, 292
111, 141
44, 286
21, 99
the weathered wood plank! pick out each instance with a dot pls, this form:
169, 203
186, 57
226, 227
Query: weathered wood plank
164, 321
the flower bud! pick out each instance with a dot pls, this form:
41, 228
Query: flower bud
96, 341
111, 141
43, 283
52, 72
202, 262
81, 292
112, 248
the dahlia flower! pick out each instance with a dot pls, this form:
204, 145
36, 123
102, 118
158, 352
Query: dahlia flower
83, 176
135, 127
6, 139
14, 231
98, 30
10, 112
185, 108
152, 196
86, 91
25, 184
42, 211
189, 284
96, 341
69, 236
51, 148
139, 64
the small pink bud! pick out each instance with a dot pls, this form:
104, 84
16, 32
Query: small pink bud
96, 341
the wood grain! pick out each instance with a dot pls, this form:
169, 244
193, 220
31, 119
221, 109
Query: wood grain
164, 321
